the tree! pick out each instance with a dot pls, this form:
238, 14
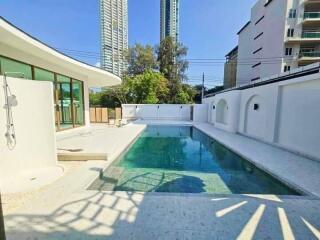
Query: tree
147, 88
95, 98
106, 98
140, 59
198, 88
171, 58
172, 64
215, 90
185, 95
142, 83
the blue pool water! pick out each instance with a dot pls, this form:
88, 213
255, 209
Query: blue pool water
185, 160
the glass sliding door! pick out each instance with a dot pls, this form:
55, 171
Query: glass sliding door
77, 103
69, 103
64, 102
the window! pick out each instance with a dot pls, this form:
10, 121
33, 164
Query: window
288, 52
15, 68
287, 68
43, 75
256, 51
259, 20
256, 65
292, 13
259, 35
290, 32
255, 79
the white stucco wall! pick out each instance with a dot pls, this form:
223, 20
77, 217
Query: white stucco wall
34, 125
200, 112
288, 114
157, 111
299, 117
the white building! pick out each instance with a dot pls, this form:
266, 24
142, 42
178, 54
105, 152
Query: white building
169, 19
114, 35
280, 36
52, 91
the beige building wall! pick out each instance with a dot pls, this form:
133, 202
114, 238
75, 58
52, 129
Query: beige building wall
230, 69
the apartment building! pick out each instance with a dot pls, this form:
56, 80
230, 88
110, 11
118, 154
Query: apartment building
114, 35
230, 69
169, 19
281, 35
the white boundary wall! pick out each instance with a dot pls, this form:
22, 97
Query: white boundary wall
156, 112
34, 125
286, 114
184, 112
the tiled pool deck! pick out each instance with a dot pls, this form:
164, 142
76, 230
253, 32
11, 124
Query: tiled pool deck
66, 210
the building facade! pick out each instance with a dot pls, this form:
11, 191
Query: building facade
169, 19
281, 35
230, 69
114, 35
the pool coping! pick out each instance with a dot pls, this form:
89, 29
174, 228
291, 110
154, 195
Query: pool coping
215, 196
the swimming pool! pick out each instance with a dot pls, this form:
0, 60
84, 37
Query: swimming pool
182, 159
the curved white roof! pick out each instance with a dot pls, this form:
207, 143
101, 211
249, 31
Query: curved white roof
21, 46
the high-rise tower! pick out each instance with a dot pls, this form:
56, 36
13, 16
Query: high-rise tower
114, 35
169, 19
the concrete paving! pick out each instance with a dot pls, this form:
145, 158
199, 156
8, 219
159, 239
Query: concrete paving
98, 142
66, 210
30, 179
121, 215
297, 171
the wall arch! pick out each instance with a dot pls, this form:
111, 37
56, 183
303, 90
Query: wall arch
222, 112
255, 117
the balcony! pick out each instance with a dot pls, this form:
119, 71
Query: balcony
310, 35
311, 15
307, 2
306, 37
309, 57
311, 19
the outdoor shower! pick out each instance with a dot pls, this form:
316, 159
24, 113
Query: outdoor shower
10, 101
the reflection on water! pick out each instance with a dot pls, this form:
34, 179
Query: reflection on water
183, 159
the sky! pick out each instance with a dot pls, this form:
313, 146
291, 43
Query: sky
207, 27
